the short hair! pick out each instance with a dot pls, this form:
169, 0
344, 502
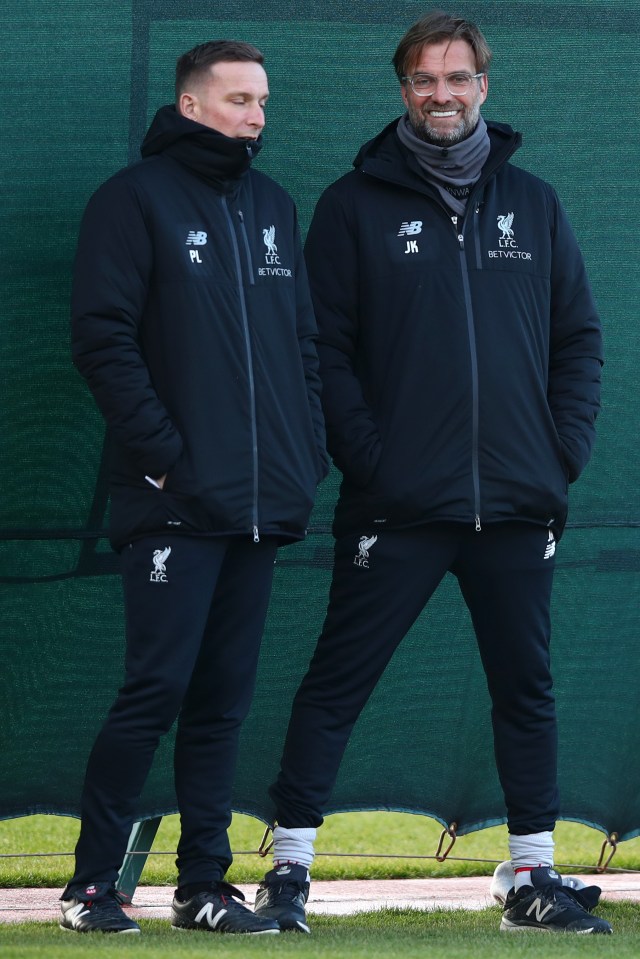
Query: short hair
435, 27
194, 64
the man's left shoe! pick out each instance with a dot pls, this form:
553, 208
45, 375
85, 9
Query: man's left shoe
549, 906
217, 910
282, 895
504, 878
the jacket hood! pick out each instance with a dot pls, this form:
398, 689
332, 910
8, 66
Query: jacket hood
386, 148
208, 153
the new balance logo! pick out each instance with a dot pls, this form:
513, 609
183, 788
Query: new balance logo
196, 238
539, 909
159, 572
410, 228
76, 913
206, 913
550, 547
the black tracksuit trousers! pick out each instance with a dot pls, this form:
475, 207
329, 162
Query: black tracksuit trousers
194, 623
505, 574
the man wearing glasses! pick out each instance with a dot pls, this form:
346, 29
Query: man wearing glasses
460, 354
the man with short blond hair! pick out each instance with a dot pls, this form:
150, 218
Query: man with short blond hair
200, 353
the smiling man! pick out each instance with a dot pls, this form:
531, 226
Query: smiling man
201, 356
460, 357
444, 91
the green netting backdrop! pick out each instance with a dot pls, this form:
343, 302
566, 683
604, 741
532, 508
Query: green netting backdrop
80, 81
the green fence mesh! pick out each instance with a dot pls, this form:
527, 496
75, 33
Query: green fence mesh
80, 82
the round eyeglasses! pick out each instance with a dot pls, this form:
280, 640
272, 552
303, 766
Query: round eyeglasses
425, 85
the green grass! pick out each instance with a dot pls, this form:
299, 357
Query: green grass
362, 835
388, 934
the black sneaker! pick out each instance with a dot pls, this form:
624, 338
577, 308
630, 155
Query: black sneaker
282, 895
548, 906
95, 909
216, 910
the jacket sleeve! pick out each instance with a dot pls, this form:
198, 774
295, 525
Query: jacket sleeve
575, 359
307, 339
112, 273
331, 254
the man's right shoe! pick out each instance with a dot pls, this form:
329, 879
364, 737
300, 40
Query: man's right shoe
95, 909
282, 896
216, 910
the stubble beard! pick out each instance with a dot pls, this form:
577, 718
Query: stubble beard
463, 129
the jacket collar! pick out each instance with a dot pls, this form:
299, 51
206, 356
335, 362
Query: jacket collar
214, 157
386, 158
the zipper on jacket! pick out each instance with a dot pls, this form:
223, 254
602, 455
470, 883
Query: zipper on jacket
252, 387
475, 468
492, 166
454, 220
247, 248
476, 234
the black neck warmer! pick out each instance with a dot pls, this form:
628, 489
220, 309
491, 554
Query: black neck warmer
216, 158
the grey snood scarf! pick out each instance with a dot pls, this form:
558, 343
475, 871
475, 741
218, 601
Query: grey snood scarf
452, 169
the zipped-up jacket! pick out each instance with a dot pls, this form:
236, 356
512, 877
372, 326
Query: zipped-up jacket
193, 326
460, 355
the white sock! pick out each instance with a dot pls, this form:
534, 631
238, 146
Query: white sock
529, 852
293, 845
